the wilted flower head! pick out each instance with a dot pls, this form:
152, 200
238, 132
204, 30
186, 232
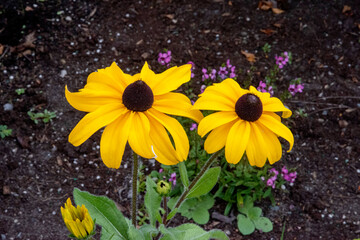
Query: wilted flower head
77, 220
163, 187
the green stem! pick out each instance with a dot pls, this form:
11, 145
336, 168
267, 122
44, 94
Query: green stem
134, 188
196, 179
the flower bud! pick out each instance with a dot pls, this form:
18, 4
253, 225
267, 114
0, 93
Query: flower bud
77, 220
163, 187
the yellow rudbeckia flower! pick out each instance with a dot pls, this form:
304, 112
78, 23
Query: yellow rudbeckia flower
77, 220
247, 122
134, 109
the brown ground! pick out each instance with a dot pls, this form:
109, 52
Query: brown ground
39, 168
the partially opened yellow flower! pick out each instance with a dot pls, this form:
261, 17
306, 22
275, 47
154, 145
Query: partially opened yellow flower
134, 109
77, 220
247, 122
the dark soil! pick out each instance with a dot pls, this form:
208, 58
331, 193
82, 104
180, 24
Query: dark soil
39, 168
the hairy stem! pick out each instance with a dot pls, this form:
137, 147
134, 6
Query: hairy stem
134, 188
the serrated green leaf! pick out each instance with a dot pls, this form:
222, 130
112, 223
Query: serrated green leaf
264, 224
152, 200
104, 211
183, 174
245, 225
205, 183
254, 213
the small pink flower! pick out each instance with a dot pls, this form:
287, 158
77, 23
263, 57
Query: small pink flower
292, 89
273, 170
213, 74
193, 126
228, 65
222, 72
173, 178
270, 182
205, 75
299, 88
161, 170
284, 170
270, 90
202, 88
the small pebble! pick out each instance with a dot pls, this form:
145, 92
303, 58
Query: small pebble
63, 73
8, 107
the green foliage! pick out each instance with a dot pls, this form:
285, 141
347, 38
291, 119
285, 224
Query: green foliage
266, 48
205, 183
45, 116
4, 131
242, 181
152, 201
190, 231
105, 212
20, 91
195, 208
251, 218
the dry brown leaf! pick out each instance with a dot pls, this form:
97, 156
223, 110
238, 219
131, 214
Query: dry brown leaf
346, 8
225, 14
249, 56
230, 3
28, 9
278, 25
267, 31
1, 49
277, 10
170, 16
358, 25
29, 40
265, 5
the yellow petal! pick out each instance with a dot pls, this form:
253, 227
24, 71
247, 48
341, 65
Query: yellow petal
163, 148
74, 229
217, 138
171, 79
278, 128
214, 102
275, 105
175, 129
259, 146
228, 88
93, 121
237, 141
274, 146
215, 120
176, 104
81, 228
139, 135
90, 100
114, 139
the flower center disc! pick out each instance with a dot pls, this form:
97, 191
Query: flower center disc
249, 107
138, 96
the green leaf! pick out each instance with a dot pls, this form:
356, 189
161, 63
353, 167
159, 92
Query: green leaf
267, 193
205, 183
254, 213
148, 231
201, 215
248, 203
172, 214
190, 231
264, 224
245, 225
135, 234
105, 212
152, 200
183, 174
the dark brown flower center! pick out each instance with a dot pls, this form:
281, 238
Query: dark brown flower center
138, 96
249, 107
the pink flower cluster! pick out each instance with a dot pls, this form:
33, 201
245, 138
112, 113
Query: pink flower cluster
281, 61
288, 176
165, 58
223, 72
263, 88
193, 127
271, 181
296, 88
